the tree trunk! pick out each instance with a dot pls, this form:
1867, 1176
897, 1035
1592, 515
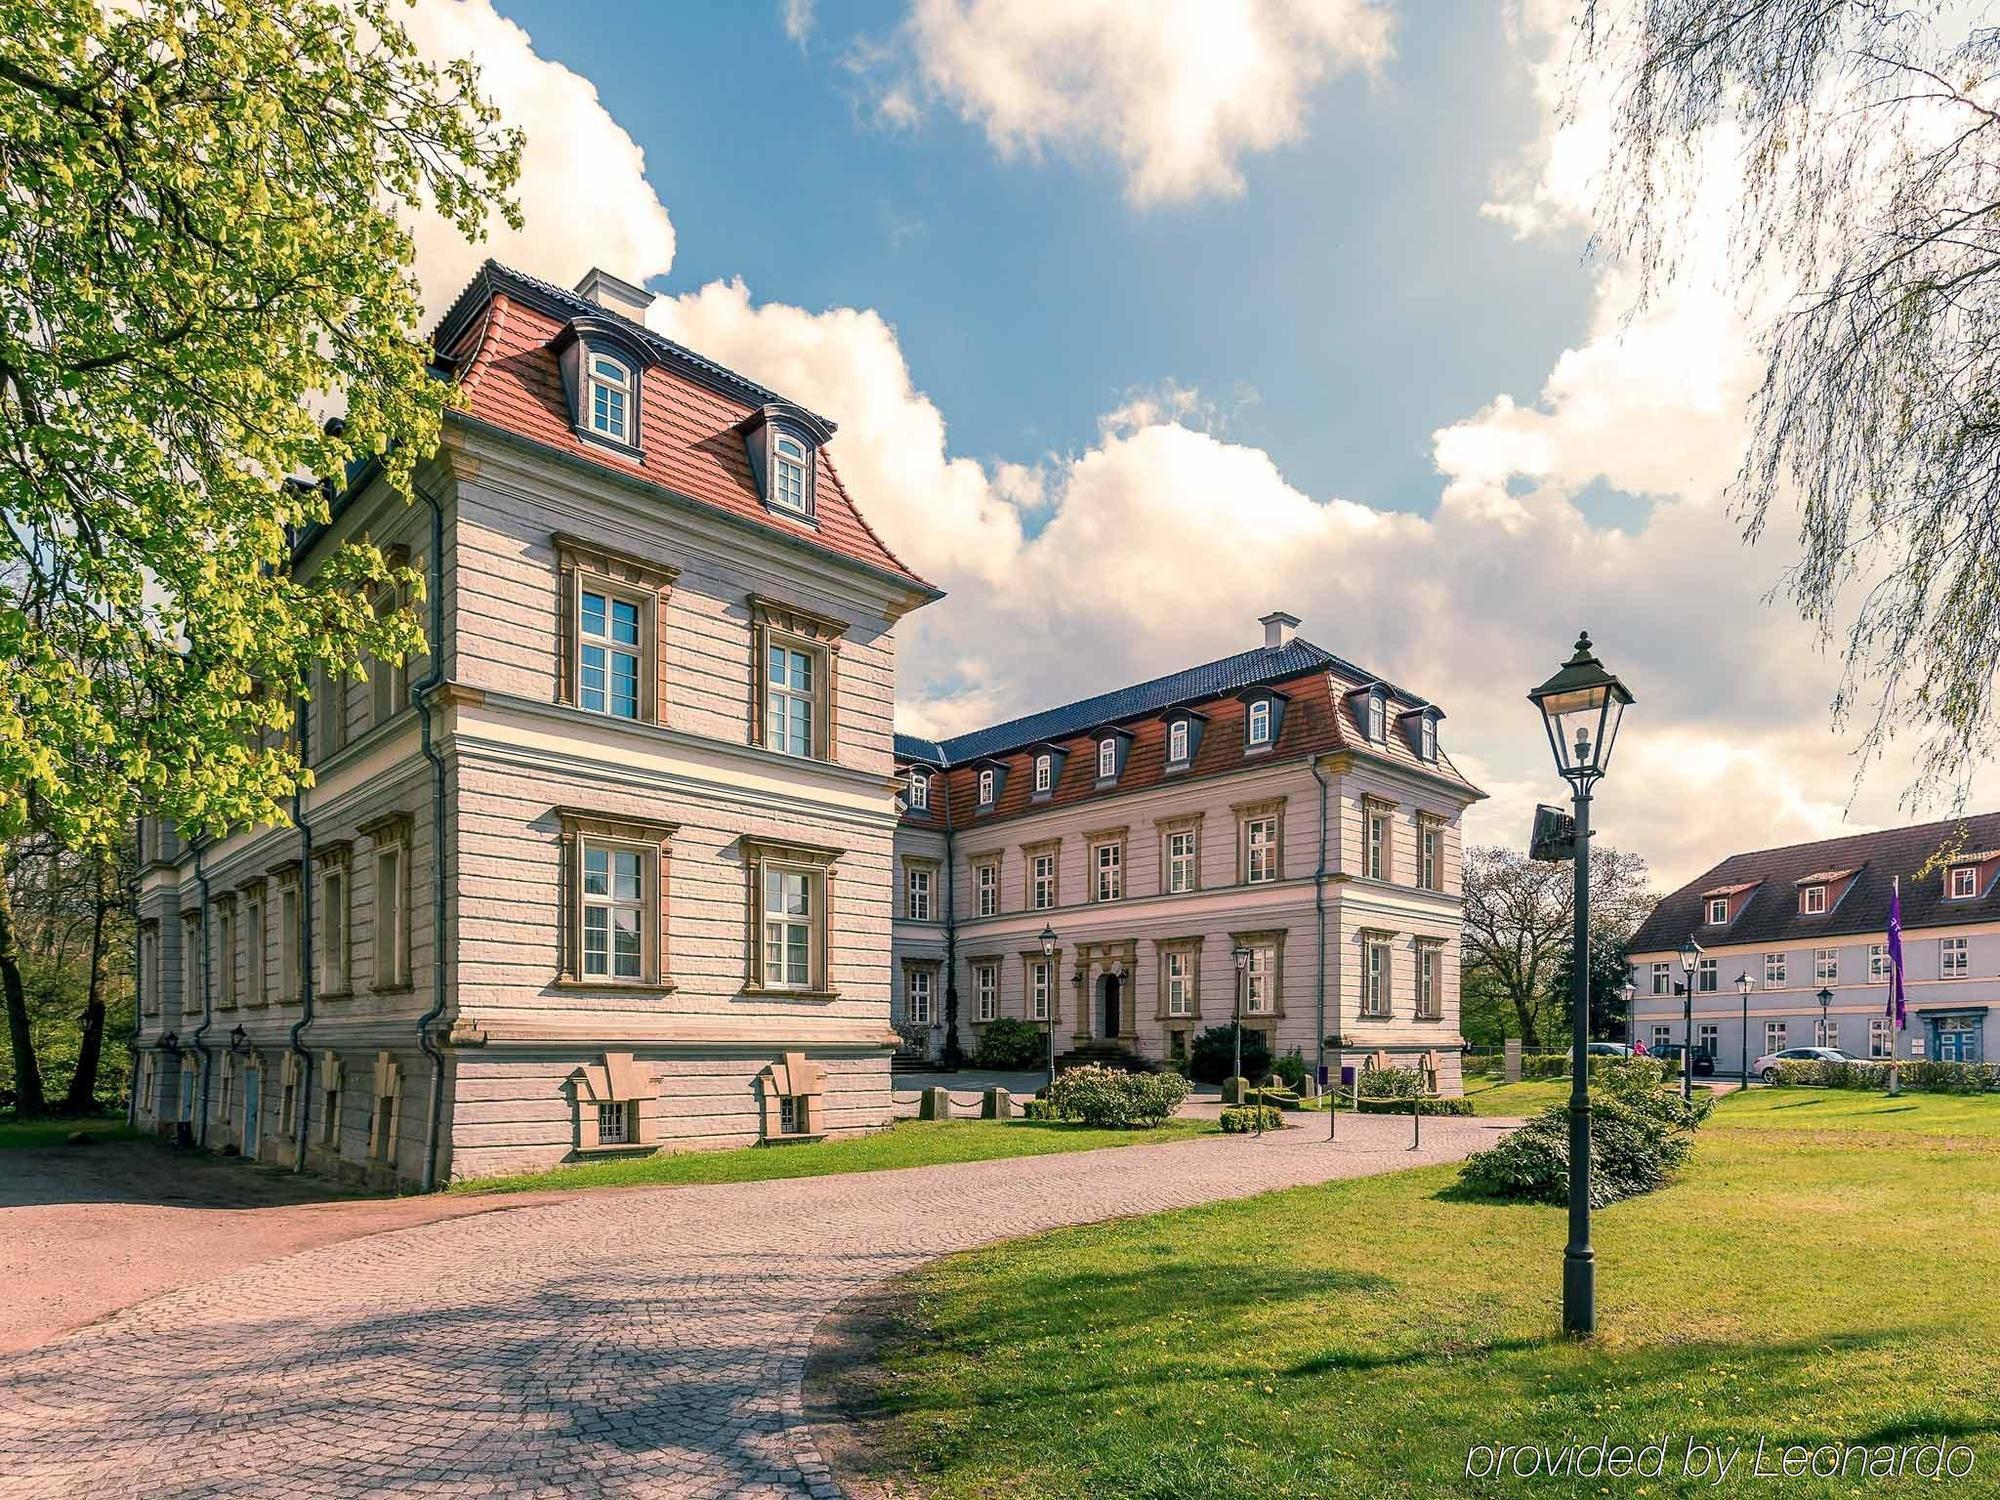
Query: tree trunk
1531, 1040
27, 1072
83, 1083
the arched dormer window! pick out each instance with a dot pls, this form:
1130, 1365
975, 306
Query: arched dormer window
1378, 718
1107, 759
1427, 738
608, 397
1044, 772
1257, 730
789, 490
920, 792
986, 782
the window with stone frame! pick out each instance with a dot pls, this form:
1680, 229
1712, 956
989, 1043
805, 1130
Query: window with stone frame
919, 881
385, 1108
986, 885
329, 711
389, 895
388, 680
289, 1084
256, 983
333, 927
149, 967
1375, 974
1044, 870
225, 952
610, 1098
1038, 977
1430, 851
797, 687
985, 991
1263, 976
792, 1093
1180, 979
1430, 979
291, 971
1378, 831
611, 613
920, 994
1107, 865
191, 986
1259, 841
330, 1081
1180, 853
790, 899
1775, 968
615, 874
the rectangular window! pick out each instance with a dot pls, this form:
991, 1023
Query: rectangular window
329, 703
191, 997
1430, 856
1378, 845
1718, 910
1826, 1032
1177, 742
329, 1117
1180, 983
1812, 900
391, 919
790, 700
986, 991
917, 991
1260, 850
149, 967
1181, 860
1826, 965
1964, 882
288, 945
986, 878
614, 1122
1953, 960
1107, 760
1878, 963
919, 901
1774, 1036
1708, 1037
1039, 973
1042, 882
1375, 978
1430, 982
615, 907
1663, 979
253, 948
608, 654
1110, 862
1705, 976
225, 954
1881, 1037
388, 681
789, 903
1774, 971
333, 944
1662, 1036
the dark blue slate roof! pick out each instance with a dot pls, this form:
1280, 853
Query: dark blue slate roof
1190, 685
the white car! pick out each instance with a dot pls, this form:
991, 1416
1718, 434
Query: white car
1766, 1067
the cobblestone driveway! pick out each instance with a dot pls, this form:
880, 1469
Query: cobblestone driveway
648, 1342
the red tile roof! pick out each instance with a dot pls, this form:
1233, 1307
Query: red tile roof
500, 336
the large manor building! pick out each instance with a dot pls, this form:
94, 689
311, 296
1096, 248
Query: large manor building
611, 869
1281, 801
1778, 928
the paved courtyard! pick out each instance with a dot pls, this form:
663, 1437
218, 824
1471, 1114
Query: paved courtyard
647, 1342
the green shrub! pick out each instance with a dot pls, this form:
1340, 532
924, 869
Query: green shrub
1037, 1109
1641, 1133
1929, 1076
1213, 1054
1556, 1065
1291, 1070
1246, 1118
1919, 1076
1389, 1083
1109, 1096
1373, 1105
1826, 1075
1009, 1045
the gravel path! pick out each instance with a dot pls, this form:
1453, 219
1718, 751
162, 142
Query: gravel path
638, 1343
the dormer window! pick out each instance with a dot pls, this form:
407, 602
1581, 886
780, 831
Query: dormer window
1718, 909
1045, 775
1427, 738
986, 780
1257, 729
1812, 900
1963, 882
1107, 760
920, 792
608, 399
1177, 742
788, 475
1378, 719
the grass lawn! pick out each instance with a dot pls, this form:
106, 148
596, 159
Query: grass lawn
1490, 1096
1352, 1340
17, 1133
912, 1143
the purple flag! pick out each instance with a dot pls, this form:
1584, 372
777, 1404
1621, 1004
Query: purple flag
1896, 1006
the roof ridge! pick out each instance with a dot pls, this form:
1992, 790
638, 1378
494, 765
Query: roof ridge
1842, 838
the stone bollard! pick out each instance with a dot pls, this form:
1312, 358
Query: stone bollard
1512, 1061
1234, 1090
997, 1105
1310, 1088
935, 1104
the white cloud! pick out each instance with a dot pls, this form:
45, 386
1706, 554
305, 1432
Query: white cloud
796, 16
583, 188
1177, 92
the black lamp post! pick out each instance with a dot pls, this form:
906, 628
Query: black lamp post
1048, 958
1690, 960
1241, 955
1743, 989
1580, 707
1628, 992
1825, 998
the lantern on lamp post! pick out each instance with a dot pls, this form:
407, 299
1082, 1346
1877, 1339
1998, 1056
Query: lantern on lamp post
1581, 707
1691, 953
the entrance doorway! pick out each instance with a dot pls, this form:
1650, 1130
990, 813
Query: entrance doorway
1108, 989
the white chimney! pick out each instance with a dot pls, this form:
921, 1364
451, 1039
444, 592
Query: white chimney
608, 291
1279, 629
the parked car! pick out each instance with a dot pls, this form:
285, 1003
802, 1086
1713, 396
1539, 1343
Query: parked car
1610, 1049
1703, 1065
1766, 1067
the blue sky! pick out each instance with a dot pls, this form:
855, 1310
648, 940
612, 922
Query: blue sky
1349, 302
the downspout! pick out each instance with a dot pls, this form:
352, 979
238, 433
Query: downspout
1319, 945
420, 692
207, 1000
303, 1106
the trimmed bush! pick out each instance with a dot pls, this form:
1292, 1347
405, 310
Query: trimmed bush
1641, 1133
1246, 1118
1037, 1109
1369, 1105
1929, 1076
1109, 1096
1556, 1065
1389, 1083
1212, 1054
1920, 1076
1008, 1045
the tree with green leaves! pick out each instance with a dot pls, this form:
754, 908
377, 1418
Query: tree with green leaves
201, 247
1867, 139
